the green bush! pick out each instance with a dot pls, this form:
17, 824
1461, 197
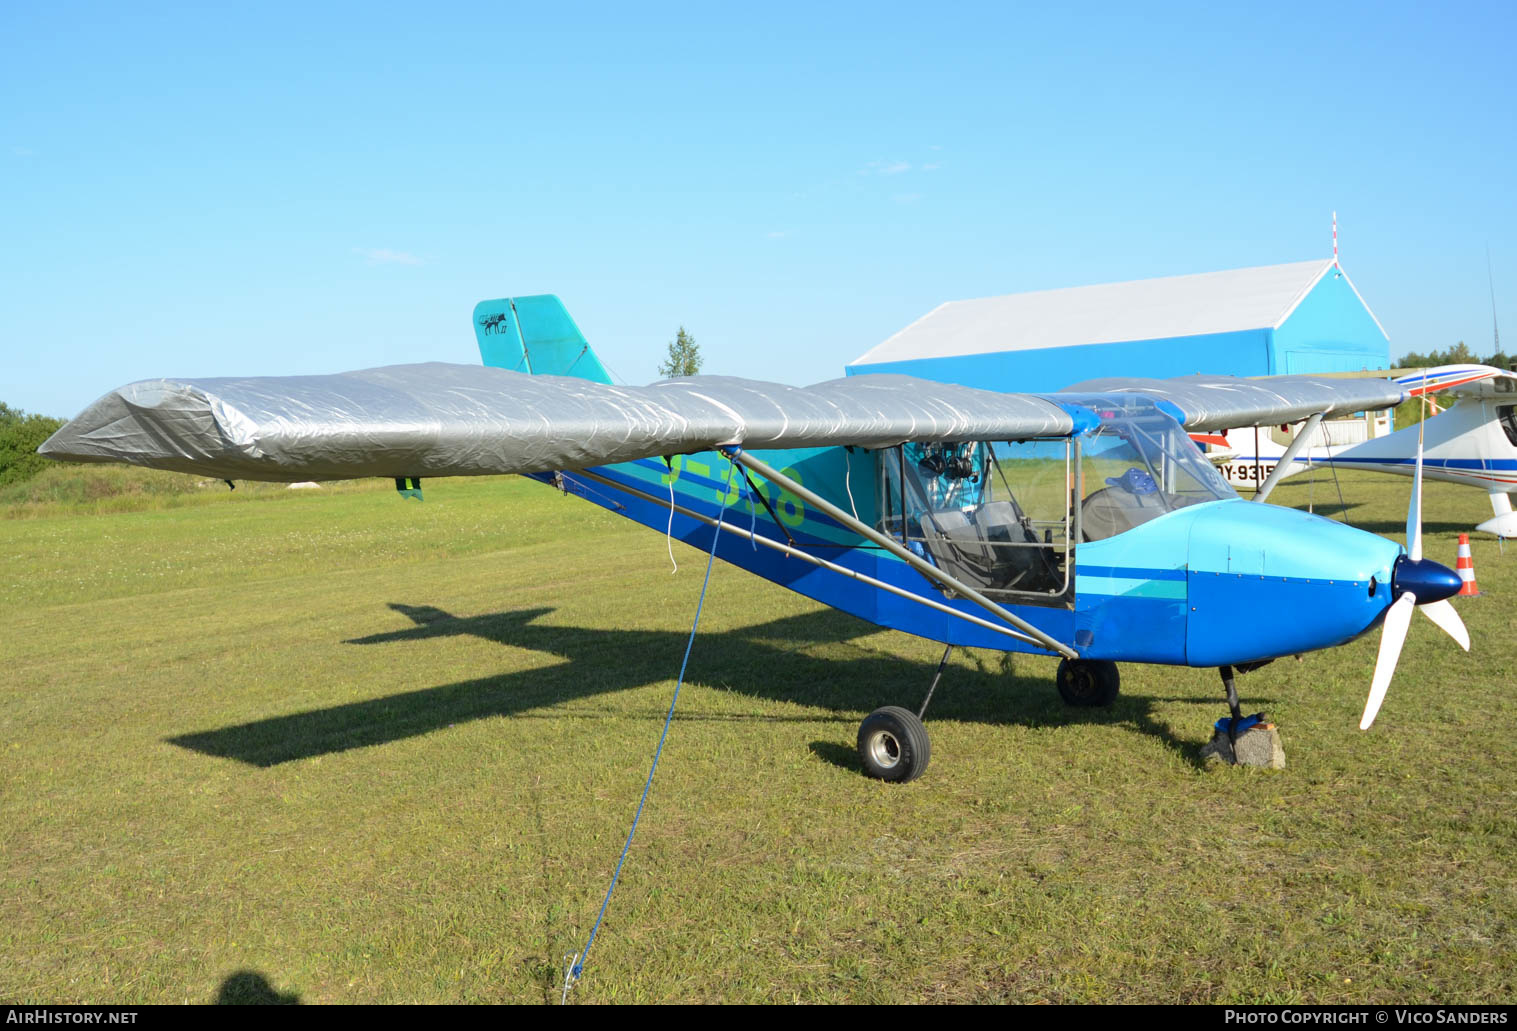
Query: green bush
20, 435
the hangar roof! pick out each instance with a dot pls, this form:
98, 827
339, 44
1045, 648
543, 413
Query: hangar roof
1145, 309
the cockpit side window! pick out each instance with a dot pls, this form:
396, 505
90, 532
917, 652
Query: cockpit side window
996, 516
1507, 416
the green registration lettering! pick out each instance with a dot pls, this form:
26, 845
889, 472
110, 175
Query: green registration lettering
791, 512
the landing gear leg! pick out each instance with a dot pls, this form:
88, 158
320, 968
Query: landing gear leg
943, 662
1232, 704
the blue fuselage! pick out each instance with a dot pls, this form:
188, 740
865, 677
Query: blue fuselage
1223, 582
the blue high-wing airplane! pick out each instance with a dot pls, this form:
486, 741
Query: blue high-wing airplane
1083, 524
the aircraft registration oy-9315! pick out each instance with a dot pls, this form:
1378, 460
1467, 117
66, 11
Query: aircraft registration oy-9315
1083, 524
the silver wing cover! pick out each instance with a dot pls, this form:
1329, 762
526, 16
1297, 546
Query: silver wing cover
439, 419
1228, 402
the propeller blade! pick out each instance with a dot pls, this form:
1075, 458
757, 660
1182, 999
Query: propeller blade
1447, 618
1392, 636
1414, 507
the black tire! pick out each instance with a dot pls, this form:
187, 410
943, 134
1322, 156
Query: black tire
893, 744
1088, 683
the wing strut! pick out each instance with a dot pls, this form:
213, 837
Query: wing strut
1286, 459
922, 566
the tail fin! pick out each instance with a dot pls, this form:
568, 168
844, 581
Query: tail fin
535, 335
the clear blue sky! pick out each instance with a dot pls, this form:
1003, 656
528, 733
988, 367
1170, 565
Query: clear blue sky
276, 189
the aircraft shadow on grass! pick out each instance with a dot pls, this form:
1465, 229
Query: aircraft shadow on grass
764, 661
1396, 531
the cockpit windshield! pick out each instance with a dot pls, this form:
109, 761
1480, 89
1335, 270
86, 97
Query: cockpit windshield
1138, 465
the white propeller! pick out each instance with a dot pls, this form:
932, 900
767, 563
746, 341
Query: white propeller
1399, 616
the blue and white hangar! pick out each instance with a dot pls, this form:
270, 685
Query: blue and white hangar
1303, 317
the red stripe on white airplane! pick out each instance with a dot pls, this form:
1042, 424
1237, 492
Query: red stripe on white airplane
1425, 389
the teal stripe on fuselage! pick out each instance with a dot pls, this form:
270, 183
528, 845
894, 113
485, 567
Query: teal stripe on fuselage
1128, 587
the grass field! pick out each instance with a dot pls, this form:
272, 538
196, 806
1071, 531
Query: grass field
336, 747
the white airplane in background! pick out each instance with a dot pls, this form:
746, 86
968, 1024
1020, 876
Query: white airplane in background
1473, 442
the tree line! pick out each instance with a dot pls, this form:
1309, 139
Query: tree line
1459, 354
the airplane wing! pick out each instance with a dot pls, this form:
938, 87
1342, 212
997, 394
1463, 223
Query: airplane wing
1206, 403
439, 419
1459, 379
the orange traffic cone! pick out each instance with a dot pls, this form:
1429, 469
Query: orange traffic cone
1466, 567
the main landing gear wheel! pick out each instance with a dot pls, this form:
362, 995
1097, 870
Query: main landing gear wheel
1091, 683
893, 744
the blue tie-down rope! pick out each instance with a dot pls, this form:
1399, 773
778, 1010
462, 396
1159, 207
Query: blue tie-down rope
577, 966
